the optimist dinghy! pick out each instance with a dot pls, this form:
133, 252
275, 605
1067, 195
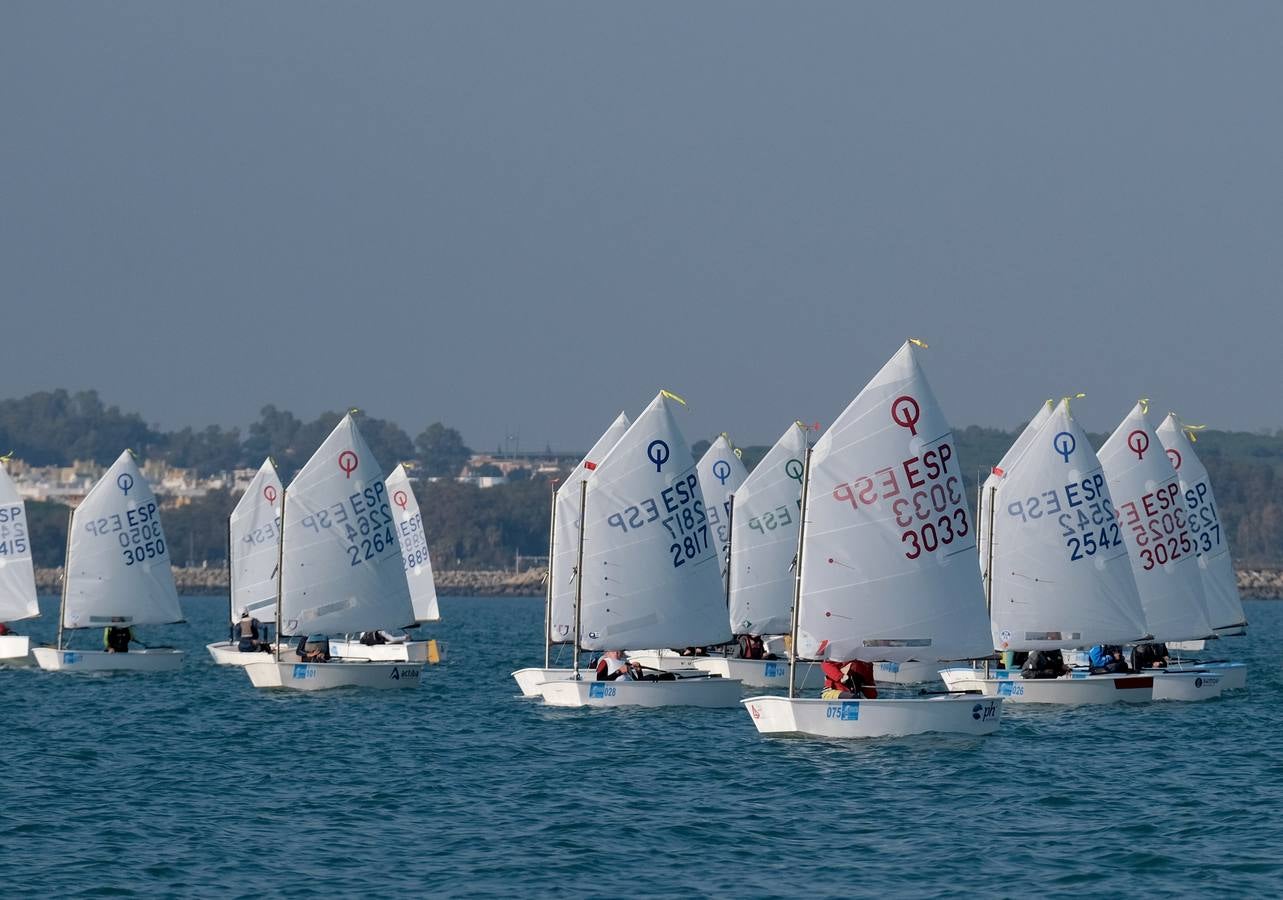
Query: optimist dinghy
1057, 575
117, 575
647, 559
766, 511
1162, 546
418, 575
340, 567
17, 573
1220, 586
885, 564
253, 532
563, 562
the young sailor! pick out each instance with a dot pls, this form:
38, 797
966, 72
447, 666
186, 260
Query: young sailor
246, 633
845, 680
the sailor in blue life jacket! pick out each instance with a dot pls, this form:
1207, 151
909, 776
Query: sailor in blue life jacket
1107, 659
245, 633
116, 638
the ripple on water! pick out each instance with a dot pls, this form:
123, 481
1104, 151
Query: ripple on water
133, 785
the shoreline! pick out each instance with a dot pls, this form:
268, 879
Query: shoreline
1253, 584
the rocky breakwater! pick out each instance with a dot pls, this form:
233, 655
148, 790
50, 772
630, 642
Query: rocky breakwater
451, 582
1253, 584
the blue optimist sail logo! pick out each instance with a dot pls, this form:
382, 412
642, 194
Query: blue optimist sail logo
793, 469
1065, 444
721, 470
124, 481
658, 453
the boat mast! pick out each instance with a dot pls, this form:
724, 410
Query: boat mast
730, 542
231, 576
66, 571
280, 561
547, 606
579, 568
993, 492
797, 574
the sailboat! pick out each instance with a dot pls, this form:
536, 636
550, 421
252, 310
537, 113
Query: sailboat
767, 514
1220, 587
563, 564
720, 473
418, 575
1058, 575
648, 568
886, 563
1161, 545
17, 572
340, 569
253, 532
117, 575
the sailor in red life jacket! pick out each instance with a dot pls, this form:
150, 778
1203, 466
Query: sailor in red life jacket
613, 664
846, 680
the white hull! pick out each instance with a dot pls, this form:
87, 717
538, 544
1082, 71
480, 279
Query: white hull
702, 691
905, 672
1187, 686
530, 679
1071, 690
875, 718
409, 651
153, 660
15, 649
226, 654
1233, 675
761, 673
299, 676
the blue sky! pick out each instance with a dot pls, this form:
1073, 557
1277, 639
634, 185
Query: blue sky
530, 215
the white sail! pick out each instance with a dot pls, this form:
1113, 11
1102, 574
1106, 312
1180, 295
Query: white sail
341, 566
650, 568
1155, 525
414, 546
991, 481
764, 539
253, 535
720, 475
888, 560
1224, 608
565, 541
118, 570
1061, 574
17, 572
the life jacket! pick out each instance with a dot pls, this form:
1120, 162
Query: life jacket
247, 627
858, 679
117, 639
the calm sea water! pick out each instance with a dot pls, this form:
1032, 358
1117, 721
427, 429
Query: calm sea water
196, 784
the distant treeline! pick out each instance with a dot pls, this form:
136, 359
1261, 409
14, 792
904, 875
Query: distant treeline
475, 528
56, 428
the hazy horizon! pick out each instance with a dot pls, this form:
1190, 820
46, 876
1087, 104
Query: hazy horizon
419, 208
